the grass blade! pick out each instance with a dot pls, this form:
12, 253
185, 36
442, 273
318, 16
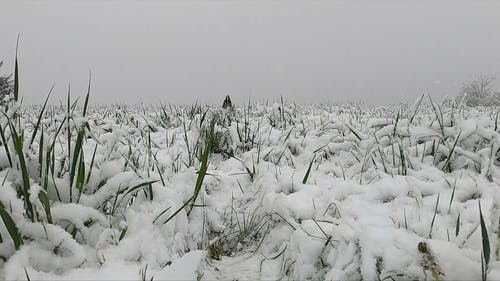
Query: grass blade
40, 155
44, 199
417, 107
132, 189
448, 160
204, 164
11, 227
85, 104
122, 234
434, 217
91, 164
201, 173
180, 209
306, 176
16, 73
40, 116
18, 144
5, 146
160, 214
486, 244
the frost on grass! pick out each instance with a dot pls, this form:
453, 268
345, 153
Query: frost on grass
281, 191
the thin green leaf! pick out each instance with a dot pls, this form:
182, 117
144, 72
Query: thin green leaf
44, 199
485, 239
134, 188
306, 176
37, 125
18, 144
204, 164
434, 217
85, 104
11, 227
16, 73
122, 234
5, 146
91, 164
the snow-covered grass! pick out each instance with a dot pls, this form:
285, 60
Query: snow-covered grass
261, 191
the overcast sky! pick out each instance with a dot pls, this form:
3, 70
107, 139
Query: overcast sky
308, 51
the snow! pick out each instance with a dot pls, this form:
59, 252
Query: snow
180, 269
361, 214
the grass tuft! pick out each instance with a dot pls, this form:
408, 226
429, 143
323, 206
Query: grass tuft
486, 246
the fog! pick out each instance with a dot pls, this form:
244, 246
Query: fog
376, 52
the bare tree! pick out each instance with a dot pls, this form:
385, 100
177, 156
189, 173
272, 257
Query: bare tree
479, 92
495, 98
6, 85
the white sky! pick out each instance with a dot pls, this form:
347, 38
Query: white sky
308, 51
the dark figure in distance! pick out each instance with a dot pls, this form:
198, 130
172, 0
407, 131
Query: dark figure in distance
227, 102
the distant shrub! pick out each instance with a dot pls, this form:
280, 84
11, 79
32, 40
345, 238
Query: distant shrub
480, 92
6, 85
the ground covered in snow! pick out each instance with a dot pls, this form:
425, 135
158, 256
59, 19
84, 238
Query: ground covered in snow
275, 192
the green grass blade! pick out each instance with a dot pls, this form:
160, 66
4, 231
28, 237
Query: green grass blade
485, 242
16, 74
356, 134
68, 123
80, 177
204, 163
134, 188
91, 164
18, 144
452, 195
78, 148
448, 160
130, 190
159, 173
201, 173
180, 209
40, 116
161, 213
5, 146
434, 217
85, 104
27, 275
306, 176
40, 155
122, 234
11, 227
44, 199
417, 107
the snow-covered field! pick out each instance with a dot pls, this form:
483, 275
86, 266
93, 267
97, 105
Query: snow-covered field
277, 191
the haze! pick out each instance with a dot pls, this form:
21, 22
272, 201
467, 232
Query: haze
377, 52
